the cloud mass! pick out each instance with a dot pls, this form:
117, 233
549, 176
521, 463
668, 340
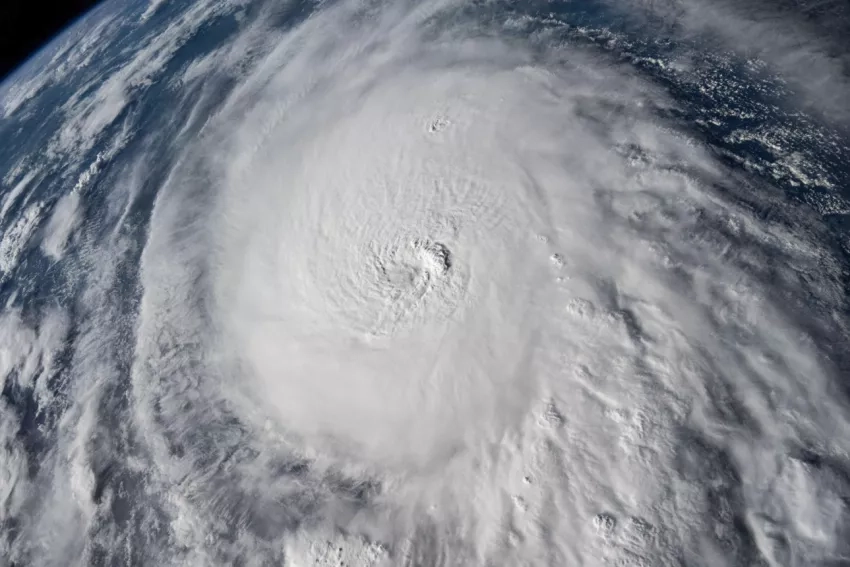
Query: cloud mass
436, 283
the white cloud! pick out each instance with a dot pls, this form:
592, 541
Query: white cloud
792, 41
16, 237
502, 403
63, 221
27, 361
98, 104
11, 197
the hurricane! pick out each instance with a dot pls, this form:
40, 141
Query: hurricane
442, 283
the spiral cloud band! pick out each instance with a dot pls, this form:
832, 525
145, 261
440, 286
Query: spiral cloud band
427, 286
485, 281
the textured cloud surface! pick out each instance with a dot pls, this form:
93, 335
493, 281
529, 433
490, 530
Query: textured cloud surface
432, 284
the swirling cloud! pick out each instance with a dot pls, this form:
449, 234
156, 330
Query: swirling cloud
487, 282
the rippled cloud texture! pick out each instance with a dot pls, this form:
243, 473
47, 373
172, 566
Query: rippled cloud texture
422, 290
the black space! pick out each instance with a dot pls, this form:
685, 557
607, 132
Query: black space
25, 26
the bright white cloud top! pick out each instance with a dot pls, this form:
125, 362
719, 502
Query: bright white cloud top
423, 290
